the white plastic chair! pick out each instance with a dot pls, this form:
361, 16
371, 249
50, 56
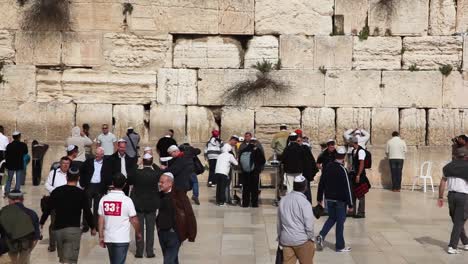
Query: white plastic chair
424, 174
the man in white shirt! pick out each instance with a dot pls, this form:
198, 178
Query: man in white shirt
107, 140
358, 155
116, 213
4, 141
396, 150
362, 135
80, 140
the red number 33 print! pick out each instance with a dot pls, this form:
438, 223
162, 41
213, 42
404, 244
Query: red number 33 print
112, 208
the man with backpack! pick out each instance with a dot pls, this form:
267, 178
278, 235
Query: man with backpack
252, 160
20, 226
361, 160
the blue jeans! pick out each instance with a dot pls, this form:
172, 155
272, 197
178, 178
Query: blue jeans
117, 252
19, 179
336, 214
170, 245
194, 185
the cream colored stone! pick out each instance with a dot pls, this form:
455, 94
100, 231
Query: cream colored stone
297, 51
352, 118
454, 89
333, 52
7, 51
49, 86
89, 86
200, 122
465, 121
413, 126
236, 121
354, 12
10, 14
261, 48
129, 51
442, 17
82, 49
433, 52
177, 86
8, 114
31, 120
60, 120
444, 124
293, 17
19, 83
207, 52
91, 15
318, 124
402, 18
129, 116
462, 16
268, 119
377, 53
95, 115
465, 53
236, 17
384, 121
412, 89
165, 117
38, 48
353, 88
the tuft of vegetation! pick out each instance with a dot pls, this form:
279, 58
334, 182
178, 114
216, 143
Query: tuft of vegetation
403, 49
376, 31
323, 70
2, 78
446, 69
47, 15
388, 32
413, 67
364, 33
127, 10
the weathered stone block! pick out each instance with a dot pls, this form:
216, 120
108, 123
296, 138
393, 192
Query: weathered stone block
82, 49
384, 122
95, 115
207, 52
293, 17
377, 53
333, 52
89, 86
319, 124
462, 16
38, 48
129, 116
200, 122
177, 86
236, 121
60, 120
297, 51
142, 52
165, 117
413, 126
8, 113
444, 124
20, 83
7, 51
354, 12
351, 118
401, 18
353, 88
442, 17
412, 89
268, 119
432, 52
454, 89
236, 17
49, 86
10, 14
261, 48
90, 15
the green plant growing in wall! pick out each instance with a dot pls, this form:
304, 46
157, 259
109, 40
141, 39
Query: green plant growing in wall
127, 10
446, 69
323, 70
388, 32
413, 68
364, 33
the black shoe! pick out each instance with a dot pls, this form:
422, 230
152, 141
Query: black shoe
359, 216
51, 249
151, 256
138, 256
196, 200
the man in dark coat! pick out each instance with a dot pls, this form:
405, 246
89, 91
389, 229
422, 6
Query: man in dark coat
293, 161
164, 143
181, 167
310, 167
14, 156
251, 172
38, 153
113, 165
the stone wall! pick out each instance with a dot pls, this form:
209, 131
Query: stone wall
168, 64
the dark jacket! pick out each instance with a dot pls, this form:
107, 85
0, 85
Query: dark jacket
86, 173
182, 169
163, 144
39, 151
294, 158
111, 166
310, 167
14, 155
363, 178
335, 184
145, 193
186, 223
457, 169
326, 157
258, 158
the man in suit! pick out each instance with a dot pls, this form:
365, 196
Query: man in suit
119, 162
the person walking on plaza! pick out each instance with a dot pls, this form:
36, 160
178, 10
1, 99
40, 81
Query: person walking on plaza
455, 177
396, 150
133, 143
181, 168
14, 156
20, 226
293, 161
362, 135
38, 153
296, 225
223, 167
107, 140
4, 141
192, 153
251, 162
358, 155
116, 213
212, 151
145, 197
68, 202
335, 185
119, 162
80, 140
327, 155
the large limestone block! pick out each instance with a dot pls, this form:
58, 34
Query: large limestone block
293, 17
462, 16
8, 113
93, 15
20, 83
10, 14
438, 155
297, 51
141, 52
165, 117
354, 12
261, 48
353, 88
200, 122
177, 86
384, 122
465, 53
95, 115
454, 88
7, 51
412, 89
401, 18
49, 86
89, 86
352, 118
319, 124
129, 116
38, 48
60, 120
444, 124
377, 53
442, 17
236, 17
236, 121
413, 126
82, 48
268, 119
207, 52
432, 52
333, 52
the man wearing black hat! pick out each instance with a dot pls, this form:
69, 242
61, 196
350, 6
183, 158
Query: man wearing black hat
14, 156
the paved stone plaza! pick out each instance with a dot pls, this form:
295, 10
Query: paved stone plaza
400, 228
